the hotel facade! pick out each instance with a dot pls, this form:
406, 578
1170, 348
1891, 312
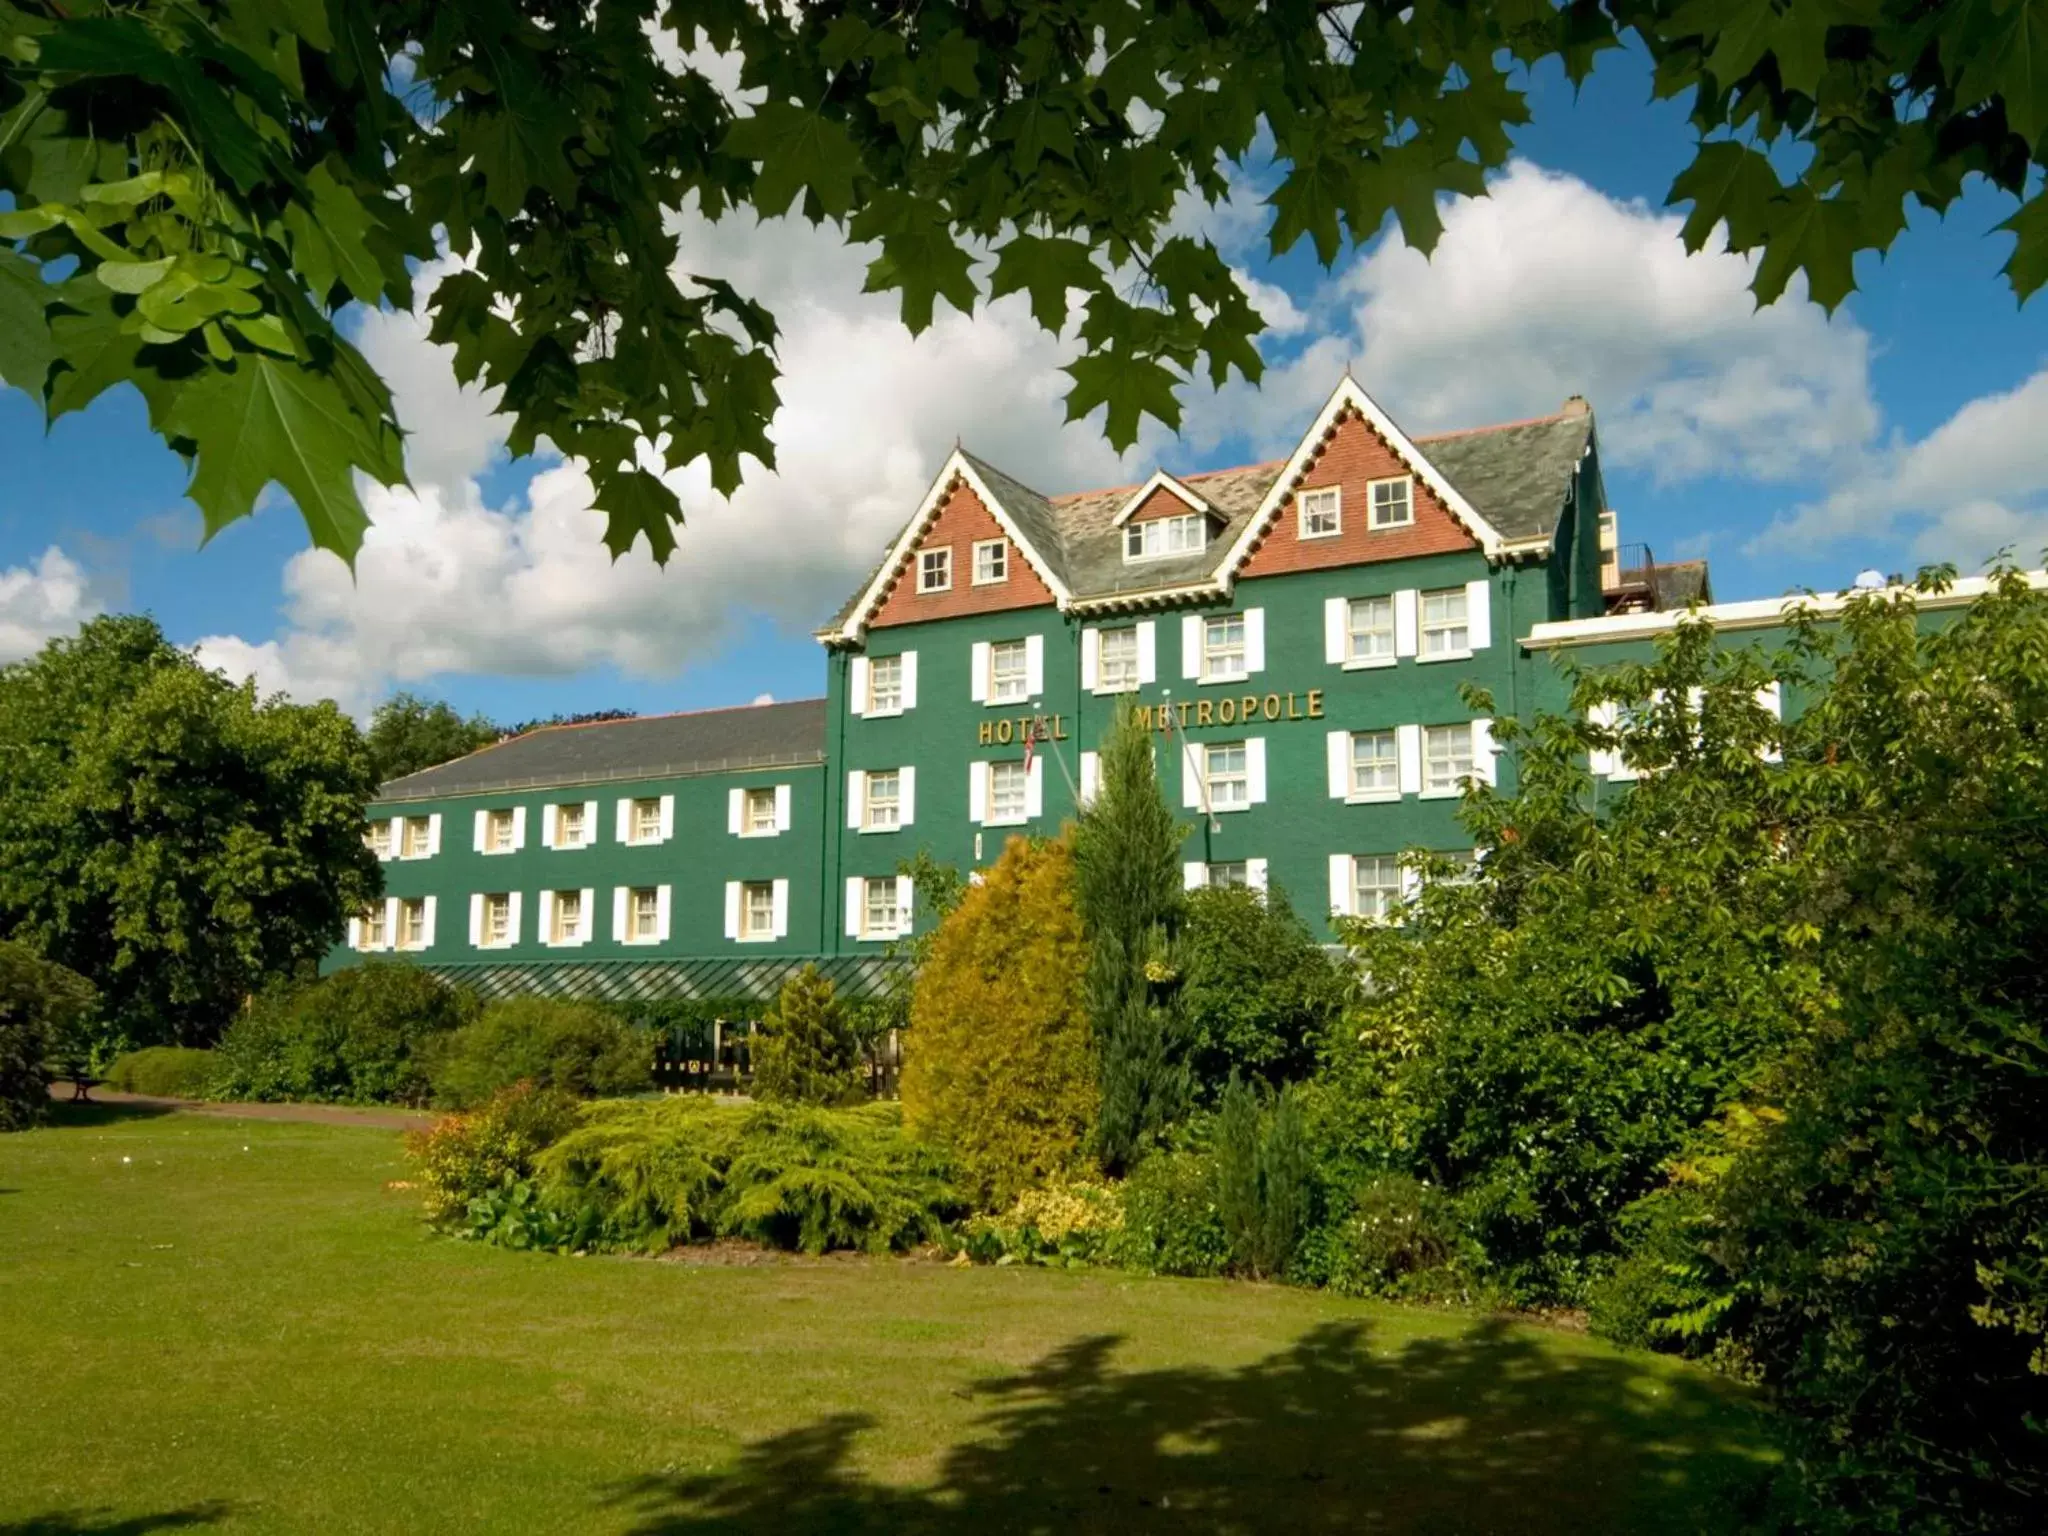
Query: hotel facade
1299, 632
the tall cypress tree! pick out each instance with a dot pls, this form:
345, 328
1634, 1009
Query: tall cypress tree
1128, 890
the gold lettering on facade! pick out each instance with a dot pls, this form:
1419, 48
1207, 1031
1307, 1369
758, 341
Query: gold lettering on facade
1292, 712
1315, 703
1204, 709
1185, 706
1059, 727
1005, 729
987, 734
1226, 711
1272, 706
1248, 711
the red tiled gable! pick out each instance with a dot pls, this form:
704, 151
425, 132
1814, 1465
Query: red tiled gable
962, 522
1163, 503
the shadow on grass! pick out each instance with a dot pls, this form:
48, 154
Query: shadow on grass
100, 1523
66, 1114
1487, 1432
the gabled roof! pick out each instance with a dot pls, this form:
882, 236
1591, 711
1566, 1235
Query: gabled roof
653, 746
1162, 481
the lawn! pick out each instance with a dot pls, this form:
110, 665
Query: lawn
238, 1324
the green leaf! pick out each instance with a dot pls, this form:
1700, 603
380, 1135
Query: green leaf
521, 144
2027, 268
1130, 385
25, 346
1731, 183
919, 257
95, 351
798, 150
1817, 236
331, 240
1999, 48
134, 276
637, 504
268, 420
1309, 202
1047, 269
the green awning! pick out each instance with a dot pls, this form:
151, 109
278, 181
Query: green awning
707, 979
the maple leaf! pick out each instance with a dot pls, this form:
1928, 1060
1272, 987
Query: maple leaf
2027, 268
1727, 183
798, 151
1130, 385
25, 347
1047, 269
637, 504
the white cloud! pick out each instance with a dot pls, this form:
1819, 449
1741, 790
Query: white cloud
1974, 485
1547, 288
39, 602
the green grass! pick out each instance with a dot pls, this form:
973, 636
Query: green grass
237, 1324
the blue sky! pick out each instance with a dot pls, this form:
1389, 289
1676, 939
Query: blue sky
1787, 447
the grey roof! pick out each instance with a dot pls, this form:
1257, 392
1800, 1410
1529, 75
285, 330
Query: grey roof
1516, 476
1681, 583
654, 746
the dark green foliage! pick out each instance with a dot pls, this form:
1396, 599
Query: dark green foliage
360, 1036
808, 1054
1258, 990
164, 1071
584, 1049
1127, 888
171, 837
1171, 1222
1393, 1236
1264, 1179
408, 733
39, 1004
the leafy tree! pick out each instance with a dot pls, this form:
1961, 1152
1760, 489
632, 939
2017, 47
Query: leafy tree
201, 184
1128, 889
586, 717
998, 1065
39, 1006
408, 733
809, 1054
1263, 1178
1259, 990
581, 1048
167, 834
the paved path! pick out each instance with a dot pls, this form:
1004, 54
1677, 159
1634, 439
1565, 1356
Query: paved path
321, 1114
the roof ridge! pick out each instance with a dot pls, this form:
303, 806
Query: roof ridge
666, 714
1185, 479
1497, 426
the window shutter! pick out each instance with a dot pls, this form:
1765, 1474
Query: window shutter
476, 920
909, 674
977, 683
433, 834
1336, 630
1408, 752
732, 909
735, 810
781, 892
544, 930
1255, 874
1091, 642
589, 912
661, 911
1338, 746
550, 825
1771, 699
857, 686
589, 824
1190, 645
1340, 885
1148, 652
516, 901
856, 796
856, 896
483, 821
391, 908
1255, 639
1034, 788
668, 817
1482, 751
1191, 765
624, 828
1255, 769
427, 926
1194, 875
1034, 665
906, 899
1091, 773
518, 826
782, 797
1407, 603
618, 914
1479, 613
906, 795
355, 932
977, 792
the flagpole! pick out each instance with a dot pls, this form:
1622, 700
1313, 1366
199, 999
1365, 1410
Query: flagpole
1073, 792
1173, 728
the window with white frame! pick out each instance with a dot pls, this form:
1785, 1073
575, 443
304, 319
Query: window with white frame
412, 923
991, 562
1161, 536
1446, 758
1375, 766
1321, 513
498, 828
571, 825
1369, 629
496, 928
1444, 631
1228, 875
760, 813
378, 839
1226, 775
879, 914
417, 838
1116, 659
883, 811
569, 917
645, 825
1375, 885
1008, 785
1223, 648
1009, 672
935, 569
643, 914
1393, 502
885, 685
757, 910
374, 933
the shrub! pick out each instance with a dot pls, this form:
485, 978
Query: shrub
1263, 1179
463, 1158
998, 1067
40, 1003
580, 1048
356, 1037
807, 1053
1394, 1236
163, 1071
1172, 1225
1258, 990
1065, 1225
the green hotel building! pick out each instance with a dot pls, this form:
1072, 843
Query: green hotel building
1298, 632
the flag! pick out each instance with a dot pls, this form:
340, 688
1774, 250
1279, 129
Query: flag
1030, 736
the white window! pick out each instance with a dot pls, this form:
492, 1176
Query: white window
378, 839
757, 910
1229, 874
879, 915
760, 812
1227, 776
1393, 503
643, 907
1369, 629
1375, 766
412, 923
375, 934
1162, 536
498, 832
1375, 885
1444, 630
572, 824
1116, 660
935, 569
884, 809
645, 827
1321, 513
417, 839
496, 929
1223, 648
885, 685
991, 562
569, 917
1008, 792
1009, 672
1446, 758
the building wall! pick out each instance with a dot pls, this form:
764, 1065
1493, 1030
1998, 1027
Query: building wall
962, 521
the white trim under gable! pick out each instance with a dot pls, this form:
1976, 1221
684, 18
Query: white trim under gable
1161, 481
1349, 396
956, 467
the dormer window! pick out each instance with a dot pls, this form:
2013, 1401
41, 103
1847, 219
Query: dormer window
935, 569
1162, 536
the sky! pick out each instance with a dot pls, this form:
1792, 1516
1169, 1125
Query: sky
1789, 447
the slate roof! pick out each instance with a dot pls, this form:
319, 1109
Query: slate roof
654, 746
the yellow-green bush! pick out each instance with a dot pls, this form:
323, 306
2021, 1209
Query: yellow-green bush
164, 1072
463, 1158
999, 1065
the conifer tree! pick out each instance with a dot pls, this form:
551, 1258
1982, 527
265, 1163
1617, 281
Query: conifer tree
809, 1054
1128, 889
